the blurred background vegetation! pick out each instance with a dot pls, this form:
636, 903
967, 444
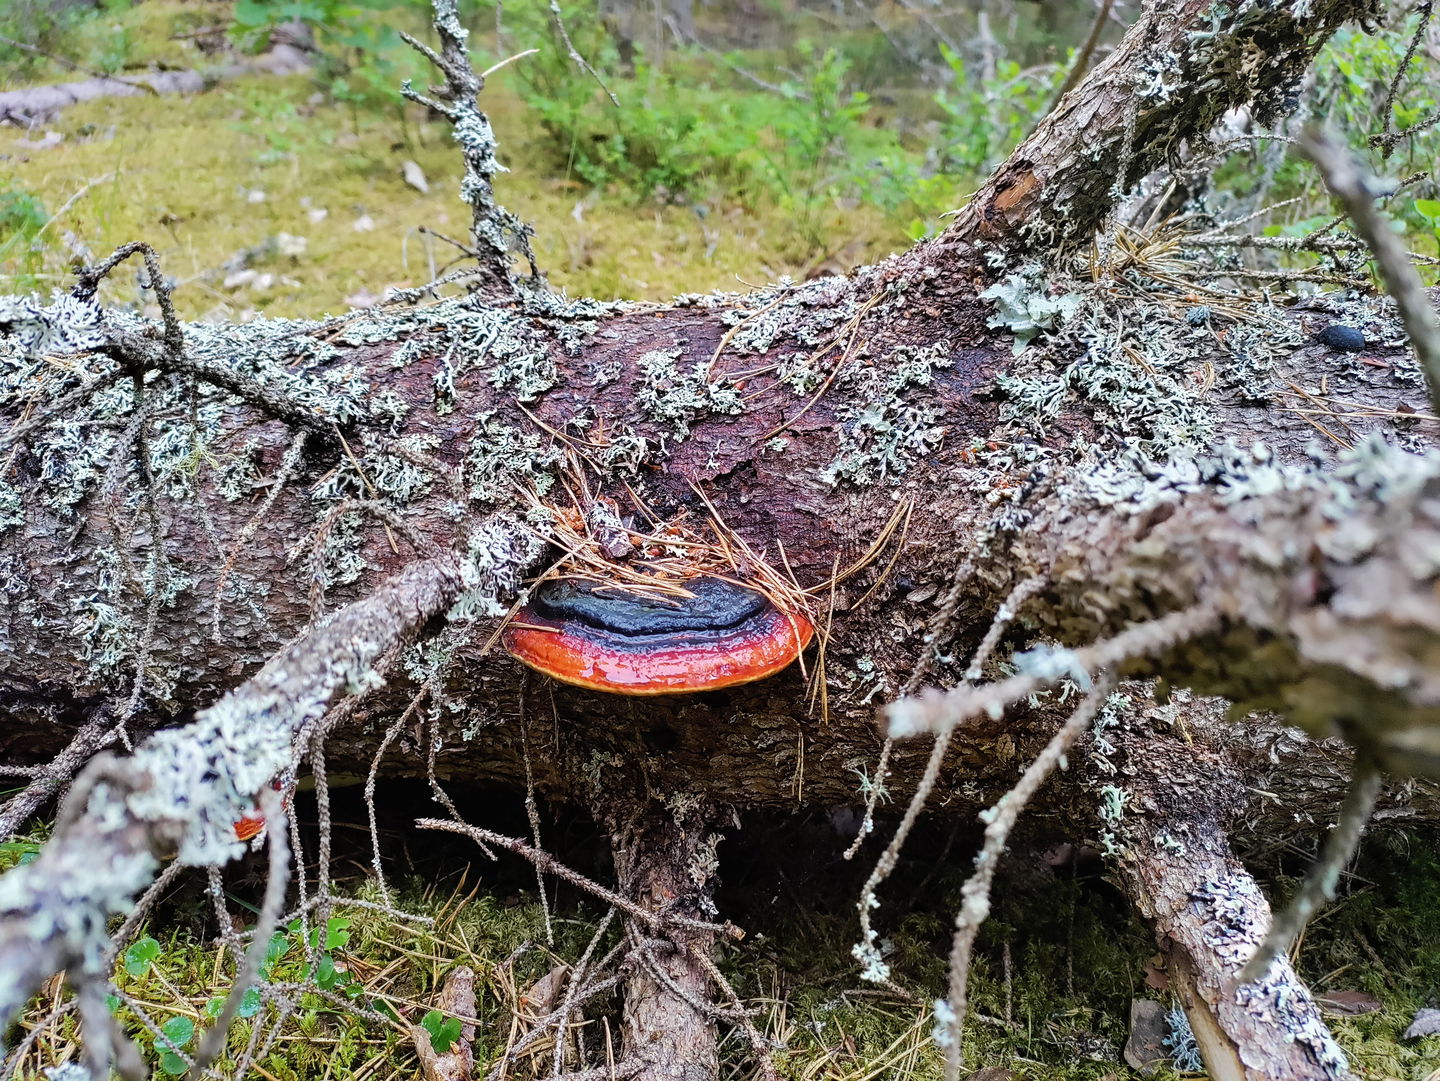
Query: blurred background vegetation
709, 145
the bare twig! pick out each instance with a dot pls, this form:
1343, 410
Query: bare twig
1349, 184
97, 733
999, 820
1081, 64
942, 711
548, 863
213, 1041
1006, 613
574, 53
1386, 139
105, 76
1324, 874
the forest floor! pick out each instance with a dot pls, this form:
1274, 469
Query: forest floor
1058, 964
270, 196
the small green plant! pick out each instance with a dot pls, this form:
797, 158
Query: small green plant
14, 853
22, 253
817, 142
1429, 210
178, 1032
40, 24
140, 955
444, 1031
363, 60
985, 119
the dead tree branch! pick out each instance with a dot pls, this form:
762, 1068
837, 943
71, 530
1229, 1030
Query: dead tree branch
1063, 181
1349, 184
184, 789
496, 232
1209, 916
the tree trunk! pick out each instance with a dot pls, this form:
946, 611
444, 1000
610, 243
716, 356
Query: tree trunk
665, 861
182, 505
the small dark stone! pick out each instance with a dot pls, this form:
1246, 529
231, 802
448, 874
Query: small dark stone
1338, 336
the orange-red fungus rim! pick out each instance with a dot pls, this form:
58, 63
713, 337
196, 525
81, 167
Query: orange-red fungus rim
615, 641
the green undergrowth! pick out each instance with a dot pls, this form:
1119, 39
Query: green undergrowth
250, 177
646, 177
287, 196
1056, 966
1383, 938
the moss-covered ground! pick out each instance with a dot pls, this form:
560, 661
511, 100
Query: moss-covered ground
1057, 967
267, 194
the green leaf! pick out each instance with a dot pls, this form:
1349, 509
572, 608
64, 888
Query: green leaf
443, 1030
172, 1064
1429, 207
379, 1005
337, 933
179, 1030
250, 1003
141, 954
250, 14
112, 1002
214, 1006
325, 972
278, 948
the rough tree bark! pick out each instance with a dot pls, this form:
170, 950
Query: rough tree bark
181, 500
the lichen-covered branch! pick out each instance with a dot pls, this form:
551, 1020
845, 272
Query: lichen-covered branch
1323, 583
185, 788
1178, 70
1174, 860
497, 233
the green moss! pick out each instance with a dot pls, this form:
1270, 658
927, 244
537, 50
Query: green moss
253, 159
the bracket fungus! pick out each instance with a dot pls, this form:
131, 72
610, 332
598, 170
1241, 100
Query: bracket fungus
616, 639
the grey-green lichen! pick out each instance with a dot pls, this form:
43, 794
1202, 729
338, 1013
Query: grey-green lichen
882, 432
1142, 368
394, 475
503, 460
808, 315
1025, 307
500, 552
674, 397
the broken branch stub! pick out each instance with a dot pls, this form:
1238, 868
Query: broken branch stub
1167, 83
497, 232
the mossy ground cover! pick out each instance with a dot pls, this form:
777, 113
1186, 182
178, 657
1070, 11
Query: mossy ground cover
253, 176
275, 176
1056, 969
